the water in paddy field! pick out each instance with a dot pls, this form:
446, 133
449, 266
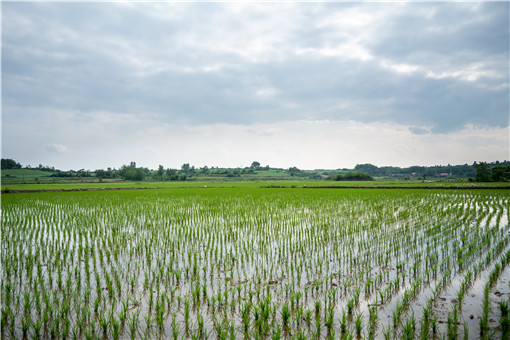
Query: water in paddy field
237, 259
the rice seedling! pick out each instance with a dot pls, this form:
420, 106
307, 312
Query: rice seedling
328, 322
285, 315
193, 263
359, 324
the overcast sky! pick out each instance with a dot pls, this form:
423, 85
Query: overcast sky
312, 85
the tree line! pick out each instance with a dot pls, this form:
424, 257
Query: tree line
480, 172
494, 171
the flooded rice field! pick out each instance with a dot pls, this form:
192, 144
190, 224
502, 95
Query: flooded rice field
256, 263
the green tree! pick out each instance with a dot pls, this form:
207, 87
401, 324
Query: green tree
8, 163
160, 172
171, 175
500, 173
353, 176
367, 168
255, 164
132, 173
100, 173
293, 171
483, 172
185, 168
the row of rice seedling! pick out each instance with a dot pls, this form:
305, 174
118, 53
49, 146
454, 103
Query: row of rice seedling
254, 263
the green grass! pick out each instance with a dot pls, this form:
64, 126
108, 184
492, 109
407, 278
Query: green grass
35, 179
24, 175
244, 184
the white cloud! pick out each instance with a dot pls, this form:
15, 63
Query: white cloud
54, 147
305, 144
326, 85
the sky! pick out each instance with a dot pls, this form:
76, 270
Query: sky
314, 85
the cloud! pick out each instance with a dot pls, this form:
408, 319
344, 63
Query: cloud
54, 147
429, 67
302, 143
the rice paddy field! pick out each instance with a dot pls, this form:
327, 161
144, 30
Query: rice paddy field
257, 263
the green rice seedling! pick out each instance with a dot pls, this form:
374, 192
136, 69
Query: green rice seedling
66, 328
285, 314
328, 321
395, 318
424, 330
245, 314
115, 327
75, 332
276, 334
133, 324
308, 317
148, 324
174, 326
452, 324
25, 325
433, 324
195, 335
151, 299
104, 322
350, 306
504, 309
232, 331
343, 323
386, 332
218, 327
200, 323
317, 306
504, 321
466, 331
123, 312
97, 302
358, 324
318, 327
5, 317
407, 330
89, 333
37, 326
54, 328
484, 321
300, 335
186, 315
412, 320
160, 317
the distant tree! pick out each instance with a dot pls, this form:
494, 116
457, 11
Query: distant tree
367, 168
185, 168
500, 173
131, 173
353, 176
293, 171
100, 173
255, 164
483, 172
8, 163
160, 172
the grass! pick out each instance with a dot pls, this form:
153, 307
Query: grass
92, 183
